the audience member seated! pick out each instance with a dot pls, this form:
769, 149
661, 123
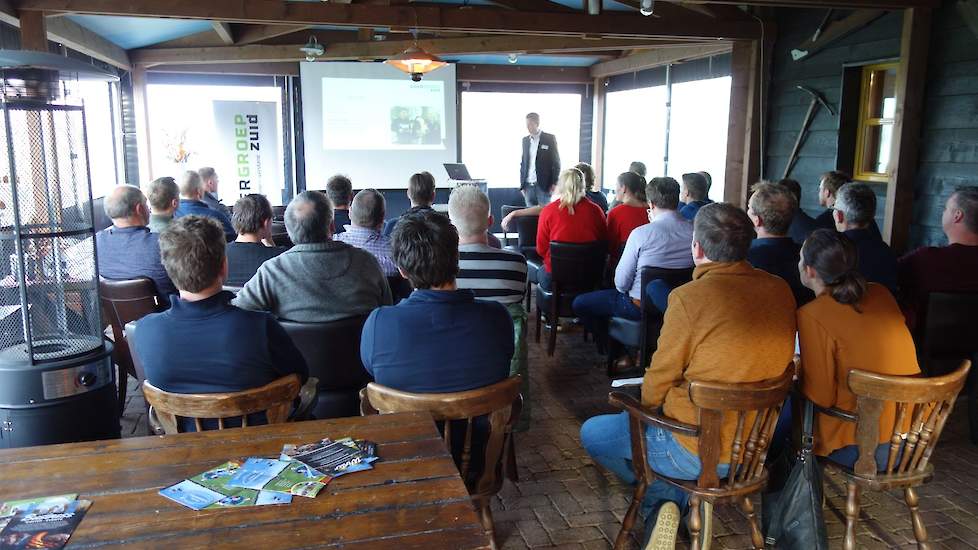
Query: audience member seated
164, 198
828, 186
665, 243
440, 339
595, 195
853, 211
318, 280
631, 213
850, 325
951, 268
191, 193
339, 189
421, 193
695, 194
638, 168
203, 344
771, 208
493, 275
127, 249
711, 327
570, 218
364, 231
802, 224
252, 219
209, 179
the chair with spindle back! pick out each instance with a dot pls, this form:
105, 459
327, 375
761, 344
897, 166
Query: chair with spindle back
756, 406
274, 399
500, 403
927, 403
124, 301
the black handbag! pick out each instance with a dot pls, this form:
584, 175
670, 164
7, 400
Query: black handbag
792, 516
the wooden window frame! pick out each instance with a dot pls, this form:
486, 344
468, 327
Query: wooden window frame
865, 122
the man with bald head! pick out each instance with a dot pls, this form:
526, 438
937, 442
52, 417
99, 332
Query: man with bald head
365, 229
319, 279
127, 249
191, 202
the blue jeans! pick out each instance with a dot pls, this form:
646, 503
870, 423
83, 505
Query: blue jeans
544, 279
606, 438
658, 292
596, 308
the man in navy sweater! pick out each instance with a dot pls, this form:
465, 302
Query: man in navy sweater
771, 209
440, 339
203, 344
853, 212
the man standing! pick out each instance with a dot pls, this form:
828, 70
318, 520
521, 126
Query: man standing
208, 178
540, 165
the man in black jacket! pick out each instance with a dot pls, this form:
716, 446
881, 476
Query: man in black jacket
540, 165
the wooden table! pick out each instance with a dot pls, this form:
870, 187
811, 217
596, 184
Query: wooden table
413, 498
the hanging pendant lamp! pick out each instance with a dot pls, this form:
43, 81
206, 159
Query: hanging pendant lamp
416, 62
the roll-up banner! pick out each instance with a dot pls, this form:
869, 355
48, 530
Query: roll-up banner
248, 149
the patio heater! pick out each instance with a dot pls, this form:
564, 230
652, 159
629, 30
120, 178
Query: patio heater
56, 380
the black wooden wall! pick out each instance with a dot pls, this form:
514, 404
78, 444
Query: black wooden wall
949, 148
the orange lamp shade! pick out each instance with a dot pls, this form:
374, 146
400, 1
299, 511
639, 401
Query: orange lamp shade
416, 62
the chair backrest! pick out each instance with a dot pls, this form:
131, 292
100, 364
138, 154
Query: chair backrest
526, 230
332, 351
501, 402
400, 287
124, 301
577, 267
275, 399
927, 402
504, 211
950, 326
757, 406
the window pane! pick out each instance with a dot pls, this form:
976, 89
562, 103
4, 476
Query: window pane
876, 149
635, 130
882, 94
98, 125
493, 123
698, 130
183, 133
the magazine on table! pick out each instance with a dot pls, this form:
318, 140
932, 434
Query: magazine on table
10, 508
334, 458
43, 525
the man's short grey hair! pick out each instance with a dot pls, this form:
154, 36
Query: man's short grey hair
966, 199
308, 218
368, 209
190, 184
468, 208
122, 201
857, 202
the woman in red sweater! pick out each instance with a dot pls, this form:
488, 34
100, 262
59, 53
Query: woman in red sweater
631, 213
570, 218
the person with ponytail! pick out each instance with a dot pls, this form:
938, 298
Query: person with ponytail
851, 324
570, 217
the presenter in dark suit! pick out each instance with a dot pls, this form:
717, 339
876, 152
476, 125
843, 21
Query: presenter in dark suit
540, 165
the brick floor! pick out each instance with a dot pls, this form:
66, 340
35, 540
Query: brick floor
563, 500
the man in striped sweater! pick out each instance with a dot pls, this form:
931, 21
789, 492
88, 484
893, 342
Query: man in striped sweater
493, 274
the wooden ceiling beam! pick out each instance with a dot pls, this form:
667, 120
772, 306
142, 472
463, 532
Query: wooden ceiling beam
259, 53
454, 18
842, 4
533, 5
257, 33
74, 36
223, 31
656, 58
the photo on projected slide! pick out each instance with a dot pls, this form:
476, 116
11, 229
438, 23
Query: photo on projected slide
383, 114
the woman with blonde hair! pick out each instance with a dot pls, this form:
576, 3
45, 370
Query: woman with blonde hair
570, 217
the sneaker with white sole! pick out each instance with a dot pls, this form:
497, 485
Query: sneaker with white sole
663, 532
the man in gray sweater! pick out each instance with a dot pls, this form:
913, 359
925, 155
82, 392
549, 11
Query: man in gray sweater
319, 279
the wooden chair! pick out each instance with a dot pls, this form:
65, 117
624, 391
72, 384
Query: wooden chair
275, 399
124, 301
927, 402
500, 402
756, 406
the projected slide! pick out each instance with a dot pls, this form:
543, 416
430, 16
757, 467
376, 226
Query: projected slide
383, 114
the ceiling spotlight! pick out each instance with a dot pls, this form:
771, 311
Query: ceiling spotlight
646, 7
513, 58
313, 49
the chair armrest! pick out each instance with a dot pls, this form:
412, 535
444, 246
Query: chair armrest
650, 416
308, 399
838, 413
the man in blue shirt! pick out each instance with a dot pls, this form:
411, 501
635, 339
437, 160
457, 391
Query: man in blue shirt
191, 202
694, 196
203, 344
853, 213
127, 249
440, 339
771, 208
